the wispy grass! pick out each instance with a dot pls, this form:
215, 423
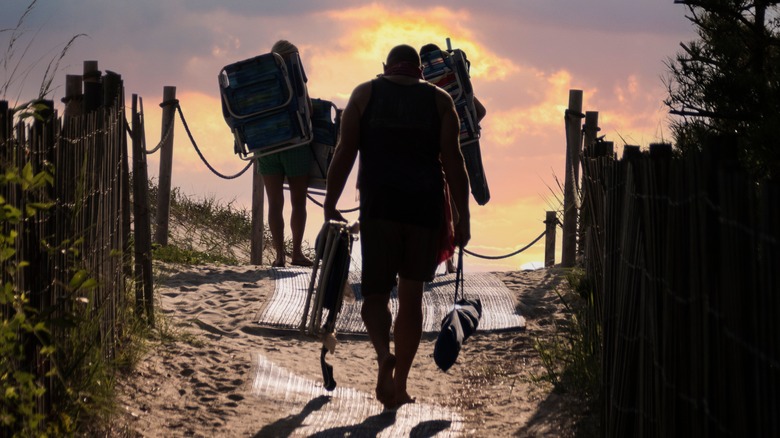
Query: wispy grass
15, 66
571, 355
207, 230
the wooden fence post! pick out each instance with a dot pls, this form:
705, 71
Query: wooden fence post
573, 143
549, 239
143, 229
256, 252
74, 97
93, 90
590, 131
166, 165
5, 122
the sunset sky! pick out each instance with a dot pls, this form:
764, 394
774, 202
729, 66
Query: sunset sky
525, 57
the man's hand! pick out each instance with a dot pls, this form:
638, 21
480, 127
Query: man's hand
333, 214
462, 231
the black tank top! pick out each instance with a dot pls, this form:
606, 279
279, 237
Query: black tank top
400, 176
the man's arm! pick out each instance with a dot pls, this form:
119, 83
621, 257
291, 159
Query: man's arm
454, 166
346, 150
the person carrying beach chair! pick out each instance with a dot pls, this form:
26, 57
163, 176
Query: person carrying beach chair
266, 103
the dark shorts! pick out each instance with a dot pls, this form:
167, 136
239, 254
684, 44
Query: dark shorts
289, 162
392, 248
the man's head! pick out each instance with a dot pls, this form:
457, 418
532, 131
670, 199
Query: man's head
402, 53
428, 48
284, 48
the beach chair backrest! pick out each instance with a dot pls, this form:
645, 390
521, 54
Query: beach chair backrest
449, 70
265, 104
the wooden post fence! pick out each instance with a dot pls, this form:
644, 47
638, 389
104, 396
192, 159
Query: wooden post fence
589, 131
166, 164
573, 143
143, 228
549, 239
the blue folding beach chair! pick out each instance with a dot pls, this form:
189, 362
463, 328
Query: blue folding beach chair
449, 70
325, 295
265, 104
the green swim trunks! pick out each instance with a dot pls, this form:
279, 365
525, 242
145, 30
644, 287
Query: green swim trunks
289, 162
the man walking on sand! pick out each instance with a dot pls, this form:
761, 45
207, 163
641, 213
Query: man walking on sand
407, 132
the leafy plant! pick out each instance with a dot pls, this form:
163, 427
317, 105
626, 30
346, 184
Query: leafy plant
23, 332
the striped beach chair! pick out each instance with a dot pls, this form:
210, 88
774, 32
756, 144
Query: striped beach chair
449, 70
264, 102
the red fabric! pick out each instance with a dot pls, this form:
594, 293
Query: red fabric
404, 68
447, 237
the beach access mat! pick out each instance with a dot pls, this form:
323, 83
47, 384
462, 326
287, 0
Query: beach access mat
285, 308
315, 412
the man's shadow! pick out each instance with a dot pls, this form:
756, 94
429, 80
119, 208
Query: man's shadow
370, 427
287, 425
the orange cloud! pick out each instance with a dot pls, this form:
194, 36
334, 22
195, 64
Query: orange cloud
505, 128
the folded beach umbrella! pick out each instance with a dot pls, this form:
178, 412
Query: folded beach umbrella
458, 325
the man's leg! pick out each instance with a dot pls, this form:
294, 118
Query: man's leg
275, 191
377, 318
299, 186
408, 330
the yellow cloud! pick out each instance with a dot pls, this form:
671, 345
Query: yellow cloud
375, 29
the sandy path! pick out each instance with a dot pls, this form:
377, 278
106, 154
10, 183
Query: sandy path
200, 383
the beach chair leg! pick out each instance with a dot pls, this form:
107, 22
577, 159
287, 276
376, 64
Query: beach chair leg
330, 256
309, 293
327, 371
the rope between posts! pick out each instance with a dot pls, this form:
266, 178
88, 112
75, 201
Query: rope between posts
506, 255
195, 145
163, 140
319, 204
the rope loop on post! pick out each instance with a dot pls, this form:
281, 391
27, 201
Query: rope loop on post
163, 140
169, 102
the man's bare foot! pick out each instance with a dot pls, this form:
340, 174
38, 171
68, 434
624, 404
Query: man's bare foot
385, 387
403, 399
301, 261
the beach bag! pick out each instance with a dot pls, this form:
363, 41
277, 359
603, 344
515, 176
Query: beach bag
458, 325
